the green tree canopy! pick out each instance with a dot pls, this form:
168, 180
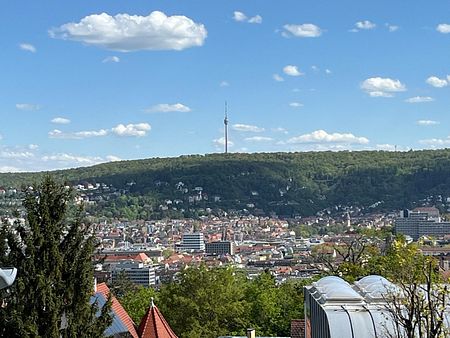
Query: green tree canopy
52, 252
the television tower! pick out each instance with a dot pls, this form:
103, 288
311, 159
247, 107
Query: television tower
225, 122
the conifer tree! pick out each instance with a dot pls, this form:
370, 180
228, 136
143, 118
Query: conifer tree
52, 252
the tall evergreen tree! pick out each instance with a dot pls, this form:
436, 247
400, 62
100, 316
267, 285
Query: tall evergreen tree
52, 252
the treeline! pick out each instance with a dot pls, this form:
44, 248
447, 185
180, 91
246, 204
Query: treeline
285, 183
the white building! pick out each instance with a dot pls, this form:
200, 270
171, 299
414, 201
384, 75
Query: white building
193, 242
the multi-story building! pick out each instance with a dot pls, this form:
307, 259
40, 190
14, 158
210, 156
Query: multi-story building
138, 273
220, 248
193, 242
421, 222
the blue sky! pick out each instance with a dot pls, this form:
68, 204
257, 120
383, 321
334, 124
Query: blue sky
85, 82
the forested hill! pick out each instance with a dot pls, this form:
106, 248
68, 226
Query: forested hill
287, 183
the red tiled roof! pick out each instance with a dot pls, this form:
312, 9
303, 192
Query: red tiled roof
118, 310
153, 325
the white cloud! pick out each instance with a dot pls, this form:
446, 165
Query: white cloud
113, 59
27, 106
33, 146
8, 154
427, 122
277, 78
60, 120
239, 16
392, 28
247, 128
327, 71
28, 47
436, 142
8, 169
224, 84
280, 130
419, 99
321, 136
126, 33
220, 142
258, 139
112, 158
295, 104
382, 87
386, 147
137, 130
78, 135
443, 28
74, 159
292, 70
366, 24
307, 30
436, 82
255, 19
167, 108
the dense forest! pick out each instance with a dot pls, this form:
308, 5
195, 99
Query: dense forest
284, 183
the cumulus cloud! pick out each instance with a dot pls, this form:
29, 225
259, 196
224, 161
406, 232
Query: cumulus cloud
365, 24
255, 19
167, 108
241, 17
258, 139
321, 136
436, 82
427, 123
60, 120
28, 47
77, 135
382, 87
436, 142
126, 33
295, 104
27, 106
113, 59
307, 30
136, 130
247, 128
280, 130
224, 84
292, 70
277, 78
443, 28
419, 99
220, 142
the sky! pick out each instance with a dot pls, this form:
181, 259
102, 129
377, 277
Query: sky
88, 81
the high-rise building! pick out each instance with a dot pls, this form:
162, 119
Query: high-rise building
138, 273
193, 242
220, 248
421, 222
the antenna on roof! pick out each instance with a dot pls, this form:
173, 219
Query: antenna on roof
225, 122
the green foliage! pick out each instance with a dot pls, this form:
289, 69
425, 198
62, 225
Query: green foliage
52, 254
222, 301
137, 301
310, 181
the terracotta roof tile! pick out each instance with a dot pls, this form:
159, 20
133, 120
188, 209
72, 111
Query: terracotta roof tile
153, 325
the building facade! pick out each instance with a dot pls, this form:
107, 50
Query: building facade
193, 242
220, 248
138, 273
421, 222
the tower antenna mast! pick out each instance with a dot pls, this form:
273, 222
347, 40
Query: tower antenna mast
225, 122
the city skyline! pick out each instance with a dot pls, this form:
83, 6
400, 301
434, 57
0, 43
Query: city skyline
91, 82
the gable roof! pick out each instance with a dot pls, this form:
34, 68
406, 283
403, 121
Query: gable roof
122, 322
153, 325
